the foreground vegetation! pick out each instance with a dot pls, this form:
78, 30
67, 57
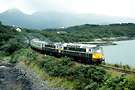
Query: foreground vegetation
62, 72
71, 75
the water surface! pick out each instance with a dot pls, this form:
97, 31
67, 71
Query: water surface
123, 53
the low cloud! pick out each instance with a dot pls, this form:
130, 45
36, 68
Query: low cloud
107, 7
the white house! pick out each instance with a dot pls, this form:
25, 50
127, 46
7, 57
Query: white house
18, 29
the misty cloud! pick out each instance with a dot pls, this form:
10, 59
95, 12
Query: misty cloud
106, 7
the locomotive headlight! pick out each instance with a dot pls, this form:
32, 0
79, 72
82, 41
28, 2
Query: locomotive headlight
96, 56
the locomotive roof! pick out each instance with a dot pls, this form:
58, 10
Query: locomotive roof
67, 44
80, 45
38, 41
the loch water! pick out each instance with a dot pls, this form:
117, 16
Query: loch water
122, 53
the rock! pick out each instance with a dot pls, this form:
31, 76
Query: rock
19, 77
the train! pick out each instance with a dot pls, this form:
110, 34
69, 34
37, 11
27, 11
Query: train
85, 53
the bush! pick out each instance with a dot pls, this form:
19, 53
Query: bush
23, 54
13, 45
86, 77
120, 83
126, 67
60, 67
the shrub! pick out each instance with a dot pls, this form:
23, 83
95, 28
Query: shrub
120, 83
60, 67
23, 54
126, 67
86, 77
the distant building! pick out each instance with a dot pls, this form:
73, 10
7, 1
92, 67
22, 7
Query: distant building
62, 27
61, 32
18, 30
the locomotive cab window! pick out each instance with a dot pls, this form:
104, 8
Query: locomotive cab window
97, 50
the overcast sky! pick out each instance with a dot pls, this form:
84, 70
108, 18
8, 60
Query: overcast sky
124, 8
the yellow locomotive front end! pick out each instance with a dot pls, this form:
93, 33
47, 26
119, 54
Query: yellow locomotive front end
97, 55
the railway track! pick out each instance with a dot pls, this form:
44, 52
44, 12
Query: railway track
118, 69
107, 67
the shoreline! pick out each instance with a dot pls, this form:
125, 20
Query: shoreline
108, 41
121, 66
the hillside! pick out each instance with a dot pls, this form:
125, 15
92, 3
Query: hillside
89, 32
81, 33
11, 40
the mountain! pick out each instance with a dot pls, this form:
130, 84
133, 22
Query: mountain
40, 20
